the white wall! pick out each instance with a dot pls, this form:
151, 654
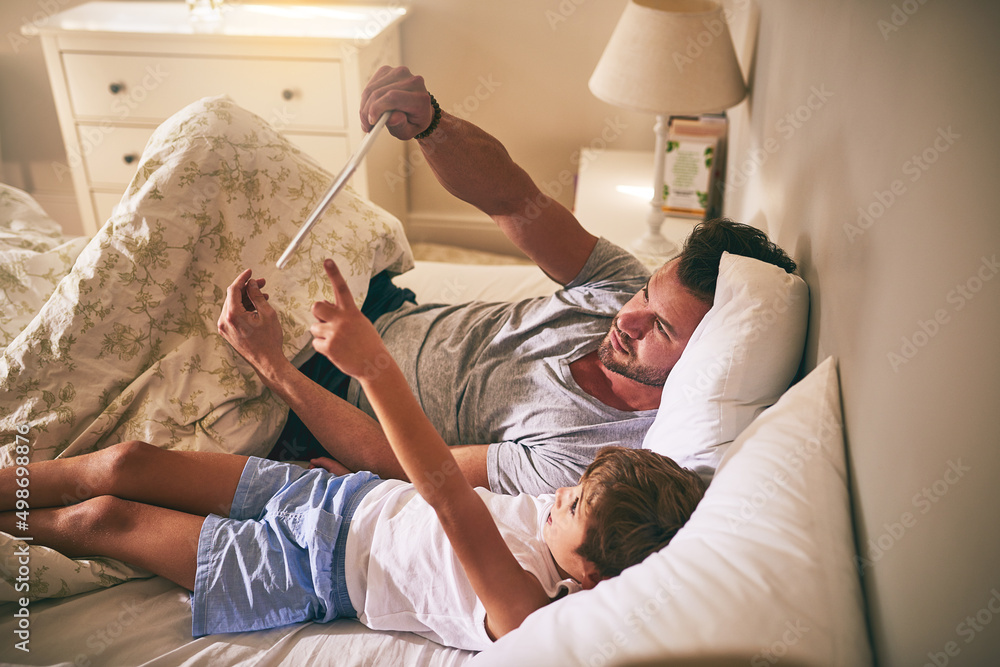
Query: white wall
539, 56
849, 112
32, 144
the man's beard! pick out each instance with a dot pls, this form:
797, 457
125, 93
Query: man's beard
651, 377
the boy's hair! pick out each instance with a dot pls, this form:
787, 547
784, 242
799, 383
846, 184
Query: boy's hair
637, 500
698, 263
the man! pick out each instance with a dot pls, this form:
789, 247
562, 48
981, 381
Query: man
525, 393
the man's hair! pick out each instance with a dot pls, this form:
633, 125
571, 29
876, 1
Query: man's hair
636, 500
698, 263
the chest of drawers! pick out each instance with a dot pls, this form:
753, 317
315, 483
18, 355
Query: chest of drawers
118, 69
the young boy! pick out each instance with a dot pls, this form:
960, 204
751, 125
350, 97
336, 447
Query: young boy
300, 545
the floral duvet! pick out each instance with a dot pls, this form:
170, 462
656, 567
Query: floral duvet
114, 338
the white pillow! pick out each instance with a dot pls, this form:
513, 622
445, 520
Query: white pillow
741, 357
764, 571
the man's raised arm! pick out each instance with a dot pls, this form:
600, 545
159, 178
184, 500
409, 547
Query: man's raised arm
476, 168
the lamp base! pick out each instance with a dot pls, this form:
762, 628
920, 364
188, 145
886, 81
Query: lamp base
654, 245
653, 248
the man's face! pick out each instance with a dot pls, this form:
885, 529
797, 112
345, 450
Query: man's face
651, 330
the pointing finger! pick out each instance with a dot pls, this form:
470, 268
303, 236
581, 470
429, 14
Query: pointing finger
340, 288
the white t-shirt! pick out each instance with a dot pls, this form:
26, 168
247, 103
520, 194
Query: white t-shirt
402, 573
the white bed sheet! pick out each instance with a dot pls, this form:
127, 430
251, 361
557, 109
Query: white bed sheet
147, 622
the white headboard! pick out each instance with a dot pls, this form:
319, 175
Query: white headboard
869, 150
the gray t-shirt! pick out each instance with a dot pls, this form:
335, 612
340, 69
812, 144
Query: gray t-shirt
498, 374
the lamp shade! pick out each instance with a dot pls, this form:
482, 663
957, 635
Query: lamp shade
670, 57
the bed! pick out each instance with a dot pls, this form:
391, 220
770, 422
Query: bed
122, 326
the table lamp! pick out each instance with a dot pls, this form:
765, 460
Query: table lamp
669, 58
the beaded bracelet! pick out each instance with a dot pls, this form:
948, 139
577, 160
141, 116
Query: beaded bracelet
434, 123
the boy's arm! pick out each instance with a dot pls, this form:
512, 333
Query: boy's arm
346, 337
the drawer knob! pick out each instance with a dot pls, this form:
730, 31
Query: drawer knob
129, 158
116, 88
288, 93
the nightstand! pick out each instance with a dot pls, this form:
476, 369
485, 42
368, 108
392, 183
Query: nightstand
118, 69
613, 190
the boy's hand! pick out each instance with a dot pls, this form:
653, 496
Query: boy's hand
345, 336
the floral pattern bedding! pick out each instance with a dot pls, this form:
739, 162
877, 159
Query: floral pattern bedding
115, 339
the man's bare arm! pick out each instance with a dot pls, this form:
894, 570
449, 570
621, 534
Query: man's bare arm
471, 461
475, 167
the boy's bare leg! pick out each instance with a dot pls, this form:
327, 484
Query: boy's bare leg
191, 482
160, 540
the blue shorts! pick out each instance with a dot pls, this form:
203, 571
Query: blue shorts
279, 557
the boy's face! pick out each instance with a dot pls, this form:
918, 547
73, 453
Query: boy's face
564, 532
